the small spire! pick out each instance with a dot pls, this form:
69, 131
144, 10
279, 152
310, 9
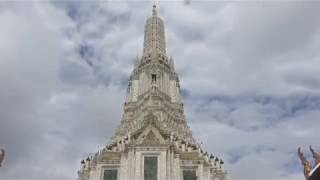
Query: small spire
136, 62
171, 62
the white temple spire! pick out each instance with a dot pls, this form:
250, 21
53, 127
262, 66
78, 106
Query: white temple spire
153, 140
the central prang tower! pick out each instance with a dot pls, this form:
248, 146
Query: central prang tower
153, 140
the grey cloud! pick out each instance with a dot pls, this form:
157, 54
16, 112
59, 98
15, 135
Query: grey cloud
246, 130
27, 78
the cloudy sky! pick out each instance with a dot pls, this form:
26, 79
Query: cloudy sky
249, 72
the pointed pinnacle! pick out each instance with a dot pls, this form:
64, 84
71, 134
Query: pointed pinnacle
154, 10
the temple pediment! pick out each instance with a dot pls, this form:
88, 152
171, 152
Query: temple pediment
151, 136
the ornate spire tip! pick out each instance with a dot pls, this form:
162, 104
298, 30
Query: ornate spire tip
154, 10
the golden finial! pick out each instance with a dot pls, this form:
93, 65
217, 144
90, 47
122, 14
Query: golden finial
306, 165
315, 155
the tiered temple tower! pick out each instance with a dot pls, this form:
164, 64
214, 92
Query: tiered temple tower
153, 140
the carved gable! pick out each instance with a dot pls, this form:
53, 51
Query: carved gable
150, 139
150, 136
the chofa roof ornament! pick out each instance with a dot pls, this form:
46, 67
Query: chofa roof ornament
310, 172
306, 164
316, 156
2, 156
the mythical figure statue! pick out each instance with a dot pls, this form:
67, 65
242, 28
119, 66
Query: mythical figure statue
2, 156
315, 155
306, 165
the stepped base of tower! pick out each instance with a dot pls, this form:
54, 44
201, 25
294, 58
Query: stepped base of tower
151, 155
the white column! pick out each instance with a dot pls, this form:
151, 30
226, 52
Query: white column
172, 165
177, 167
200, 172
163, 163
138, 166
130, 166
123, 167
133, 164
94, 174
168, 164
